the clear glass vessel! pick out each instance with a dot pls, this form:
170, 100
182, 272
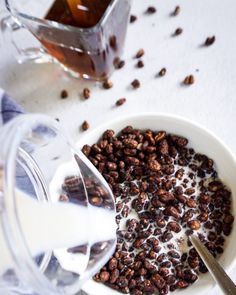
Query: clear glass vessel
38, 161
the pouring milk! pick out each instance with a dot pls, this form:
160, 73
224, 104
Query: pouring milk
47, 226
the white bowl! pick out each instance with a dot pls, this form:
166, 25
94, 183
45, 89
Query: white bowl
203, 141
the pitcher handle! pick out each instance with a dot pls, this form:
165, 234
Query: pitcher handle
10, 26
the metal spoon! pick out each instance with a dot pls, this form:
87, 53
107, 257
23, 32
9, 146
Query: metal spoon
216, 270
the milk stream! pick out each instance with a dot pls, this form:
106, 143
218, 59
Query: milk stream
59, 225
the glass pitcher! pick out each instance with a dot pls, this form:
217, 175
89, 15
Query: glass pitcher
57, 212
85, 37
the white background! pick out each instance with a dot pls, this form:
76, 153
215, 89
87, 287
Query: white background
211, 101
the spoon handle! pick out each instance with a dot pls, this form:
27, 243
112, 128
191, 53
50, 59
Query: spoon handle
222, 279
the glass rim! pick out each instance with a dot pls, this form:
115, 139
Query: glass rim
56, 25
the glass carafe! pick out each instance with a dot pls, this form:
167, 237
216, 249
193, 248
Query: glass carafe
88, 46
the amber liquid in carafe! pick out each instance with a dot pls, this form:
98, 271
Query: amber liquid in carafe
78, 13
95, 63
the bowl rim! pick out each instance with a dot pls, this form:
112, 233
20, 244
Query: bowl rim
105, 125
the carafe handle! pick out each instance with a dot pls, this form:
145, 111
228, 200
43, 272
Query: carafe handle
10, 28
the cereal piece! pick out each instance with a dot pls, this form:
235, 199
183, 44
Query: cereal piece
133, 18
118, 63
64, 94
120, 101
86, 93
176, 11
178, 31
140, 53
151, 10
162, 72
210, 40
136, 84
107, 84
85, 126
189, 80
140, 64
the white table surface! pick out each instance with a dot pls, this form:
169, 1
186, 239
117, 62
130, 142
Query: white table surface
211, 101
